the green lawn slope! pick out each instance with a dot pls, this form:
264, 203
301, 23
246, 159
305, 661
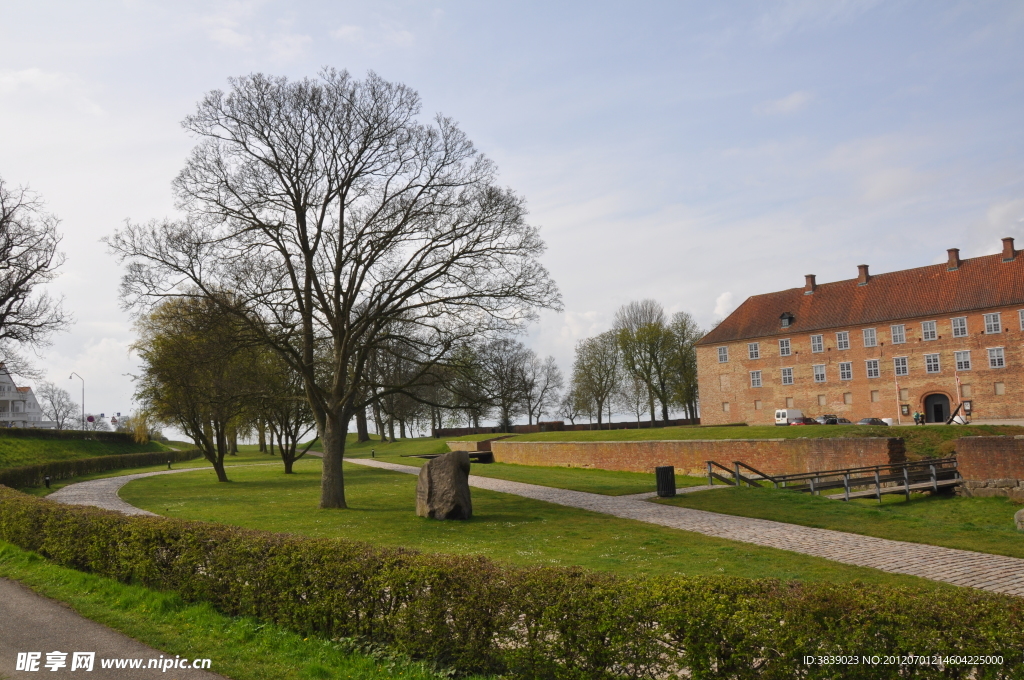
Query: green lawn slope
18, 451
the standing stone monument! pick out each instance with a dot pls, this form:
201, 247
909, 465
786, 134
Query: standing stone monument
442, 491
1018, 519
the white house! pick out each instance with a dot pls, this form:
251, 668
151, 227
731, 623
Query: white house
18, 405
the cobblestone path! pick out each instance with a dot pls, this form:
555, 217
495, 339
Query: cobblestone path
996, 573
960, 567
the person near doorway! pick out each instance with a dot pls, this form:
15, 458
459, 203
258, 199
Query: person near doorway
917, 418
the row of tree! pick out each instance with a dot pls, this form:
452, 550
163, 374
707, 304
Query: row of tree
645, 362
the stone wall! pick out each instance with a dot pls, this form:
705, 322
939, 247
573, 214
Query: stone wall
991, 466
771, 456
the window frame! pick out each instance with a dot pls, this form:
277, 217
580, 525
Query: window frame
843, 340
755, 379
877, 368
1001, 354
957, 359
874, 337
846, 368
1020, 315
753, 350
783, 375
959, 330
787, 350
820, 344
723, 352
816, 373
932, 358
925, 330
993, 320
905, 365
902, 333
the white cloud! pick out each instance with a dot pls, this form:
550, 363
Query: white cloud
289, 46
382, 37
48, 85
792, 16
724, 304
791, 103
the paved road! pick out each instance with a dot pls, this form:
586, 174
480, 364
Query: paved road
959, 567
32, 623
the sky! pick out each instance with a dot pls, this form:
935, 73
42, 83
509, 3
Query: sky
695, 153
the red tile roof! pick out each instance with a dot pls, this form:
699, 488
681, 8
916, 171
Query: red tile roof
24, 389
979, 283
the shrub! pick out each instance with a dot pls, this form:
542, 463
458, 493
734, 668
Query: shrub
33, 475
476, 615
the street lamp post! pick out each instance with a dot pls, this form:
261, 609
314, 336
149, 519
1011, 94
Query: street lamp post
75, 375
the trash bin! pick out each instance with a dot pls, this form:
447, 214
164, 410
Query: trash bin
666, 477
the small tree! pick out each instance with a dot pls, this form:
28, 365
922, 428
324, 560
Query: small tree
632, 396
57, 405
197, 373
503, 365
543, 384
646, 345
596, 371
685, 334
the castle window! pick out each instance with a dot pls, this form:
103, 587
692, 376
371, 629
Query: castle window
754, 350
787, 376
870, 337
900, 365
928, 331
785, 349
819, 372
931, 363
959, 326
899, 334
755, 378
993, 324
872, 368
845, 370
963, 360
843, 340
996, 359
723, 355
817, 343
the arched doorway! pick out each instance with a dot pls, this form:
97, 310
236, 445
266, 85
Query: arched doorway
936, 408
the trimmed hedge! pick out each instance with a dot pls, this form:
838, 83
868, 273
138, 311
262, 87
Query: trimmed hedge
475, 615
32, 475
40, 433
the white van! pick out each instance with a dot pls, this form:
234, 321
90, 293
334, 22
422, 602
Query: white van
784, 416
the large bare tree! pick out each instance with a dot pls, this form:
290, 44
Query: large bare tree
29, 258
331, 212
543, 383
57, 404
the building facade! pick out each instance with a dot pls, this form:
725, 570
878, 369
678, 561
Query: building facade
927, 340
18, 405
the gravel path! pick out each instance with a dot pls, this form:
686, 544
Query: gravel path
996, 573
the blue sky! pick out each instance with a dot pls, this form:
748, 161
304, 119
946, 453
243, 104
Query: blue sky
696, 153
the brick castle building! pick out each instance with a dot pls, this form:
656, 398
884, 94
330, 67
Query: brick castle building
885, 345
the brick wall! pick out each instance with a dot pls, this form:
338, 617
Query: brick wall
771, 456
981, 458
991, 466
994, 393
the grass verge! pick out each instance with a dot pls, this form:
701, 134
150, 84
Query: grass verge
979, 524
504, 527
241, 648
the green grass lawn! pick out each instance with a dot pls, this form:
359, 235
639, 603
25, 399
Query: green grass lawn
607, 482
240, 648
243, 458
981, 524
16, 451
505, 527
931, 441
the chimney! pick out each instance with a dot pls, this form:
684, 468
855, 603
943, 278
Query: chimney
1008, 252
954, 259
810, 285
862, 275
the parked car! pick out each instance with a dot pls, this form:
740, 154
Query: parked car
832, 420
802, 420
872, 421
786, 416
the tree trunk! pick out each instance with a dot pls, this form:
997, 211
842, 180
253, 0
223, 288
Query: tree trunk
233, 448
401, 428
362, 431
664, 412
378, 422
600, 411
332, 485
654, 411
261, 427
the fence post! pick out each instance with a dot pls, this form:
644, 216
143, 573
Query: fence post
736, 473
711, 480
812, 485
906, 481
846, 486
878, 488
935, 480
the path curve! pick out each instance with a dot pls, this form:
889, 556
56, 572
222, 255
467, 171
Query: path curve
996, 573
